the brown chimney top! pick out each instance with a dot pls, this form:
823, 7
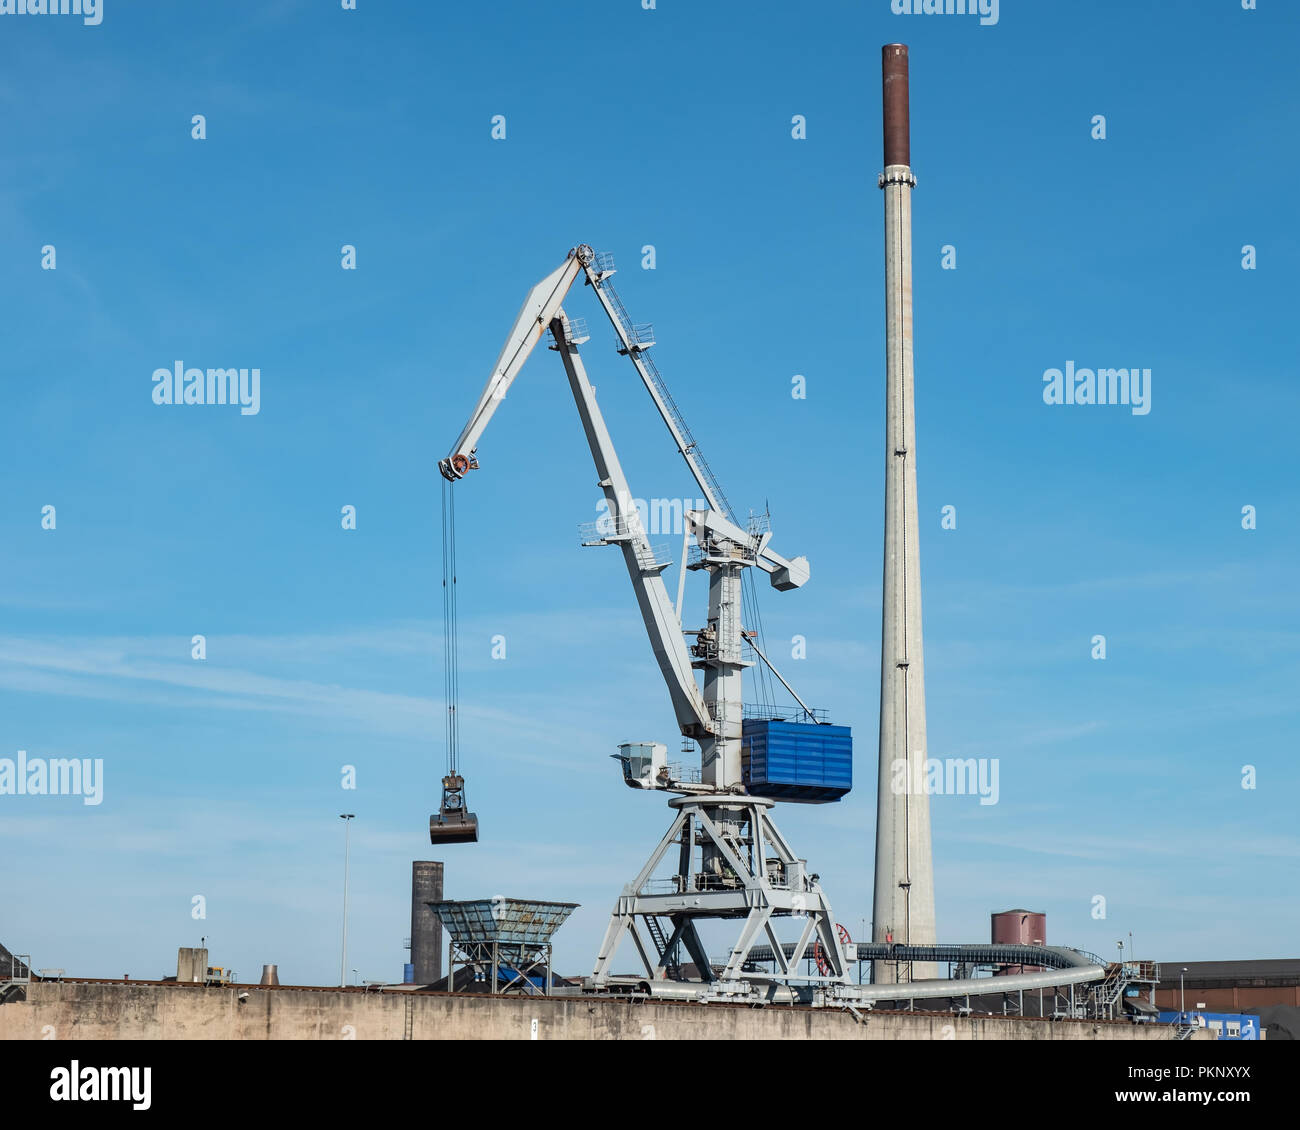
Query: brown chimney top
897, 122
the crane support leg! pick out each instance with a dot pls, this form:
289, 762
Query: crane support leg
760, 884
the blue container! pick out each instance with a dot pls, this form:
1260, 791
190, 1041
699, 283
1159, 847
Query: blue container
800, 761
408, 974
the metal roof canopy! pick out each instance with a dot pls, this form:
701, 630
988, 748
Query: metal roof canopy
500, 919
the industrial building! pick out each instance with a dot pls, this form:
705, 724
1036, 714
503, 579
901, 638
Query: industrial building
1267, 989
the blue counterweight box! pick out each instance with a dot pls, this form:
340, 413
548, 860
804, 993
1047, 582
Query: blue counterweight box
802, 761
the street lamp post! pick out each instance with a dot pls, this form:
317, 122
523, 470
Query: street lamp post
347, 818
1182, 1000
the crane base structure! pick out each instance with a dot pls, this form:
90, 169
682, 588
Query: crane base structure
732, 864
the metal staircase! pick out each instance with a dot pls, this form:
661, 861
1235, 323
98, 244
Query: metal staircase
613, 531
1108, 992
655, 929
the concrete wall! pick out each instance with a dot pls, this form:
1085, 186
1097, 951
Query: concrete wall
191, 964
133, 1010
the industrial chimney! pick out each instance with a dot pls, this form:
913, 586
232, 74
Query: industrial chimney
426, 927
904, 894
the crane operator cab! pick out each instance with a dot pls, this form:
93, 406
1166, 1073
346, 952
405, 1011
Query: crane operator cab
453, 823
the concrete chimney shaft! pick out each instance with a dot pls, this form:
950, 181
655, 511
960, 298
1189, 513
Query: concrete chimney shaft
426, 926
903, 909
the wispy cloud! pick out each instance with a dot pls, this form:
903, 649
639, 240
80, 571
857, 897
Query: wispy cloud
124, 669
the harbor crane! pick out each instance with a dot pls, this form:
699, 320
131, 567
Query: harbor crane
732, 862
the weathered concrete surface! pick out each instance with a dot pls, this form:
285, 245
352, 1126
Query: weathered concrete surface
125, 1011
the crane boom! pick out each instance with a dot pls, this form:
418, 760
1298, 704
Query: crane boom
535, 315
624, 528
542, 309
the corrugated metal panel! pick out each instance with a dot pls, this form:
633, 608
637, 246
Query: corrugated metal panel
525, 921
798, 761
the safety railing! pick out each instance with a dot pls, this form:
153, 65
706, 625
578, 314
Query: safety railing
609, 529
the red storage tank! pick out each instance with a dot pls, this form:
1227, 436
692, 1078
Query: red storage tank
1023, 928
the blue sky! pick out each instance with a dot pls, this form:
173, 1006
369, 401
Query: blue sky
628, 127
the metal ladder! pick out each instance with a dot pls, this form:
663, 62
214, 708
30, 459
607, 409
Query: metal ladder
643, 361
634, 342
